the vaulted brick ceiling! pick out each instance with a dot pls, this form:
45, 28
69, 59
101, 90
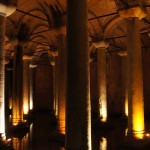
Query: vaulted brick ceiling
45, 19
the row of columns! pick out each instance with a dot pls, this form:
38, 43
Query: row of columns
136, 126
6, 9
76, 83
78, 119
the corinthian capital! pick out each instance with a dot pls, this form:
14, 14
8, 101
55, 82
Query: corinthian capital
7, 7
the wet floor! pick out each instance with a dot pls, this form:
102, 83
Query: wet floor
38, 137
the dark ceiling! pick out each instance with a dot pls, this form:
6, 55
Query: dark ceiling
44, 20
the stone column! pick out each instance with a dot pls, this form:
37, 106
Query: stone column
26, 84
2, 72
53, 63
101, 74
123, 54
78, 109
8, 92
135, 79
61, 83
17, 103
31, 68
55, 79
6, 9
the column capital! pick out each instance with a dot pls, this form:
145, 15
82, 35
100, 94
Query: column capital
53, 53
27, 57
14, 42
6, 61
123, 53
32, 66
52, 62
133, 12
101, 44
7, 8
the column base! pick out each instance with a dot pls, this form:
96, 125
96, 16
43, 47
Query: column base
61, 127
136, 134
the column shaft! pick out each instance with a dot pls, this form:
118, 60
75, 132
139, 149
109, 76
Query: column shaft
135, 79
102, 92
26, 103
31, 88
61, 84
56, 86
2, 72
124, 85
17, 87
78, 109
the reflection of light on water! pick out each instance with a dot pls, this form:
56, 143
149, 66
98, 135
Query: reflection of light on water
103, 143
17, 144
31, 132
147, 135
21, 144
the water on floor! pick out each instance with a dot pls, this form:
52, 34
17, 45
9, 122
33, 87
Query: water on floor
38, 137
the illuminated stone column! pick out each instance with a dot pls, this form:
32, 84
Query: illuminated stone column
123, 54
8, 93
53, 63
26, 84
78, 108
125, 84
17, 102
2, 72
31, 68
61, 83
135, 79
101, 74
6, 9
56, 73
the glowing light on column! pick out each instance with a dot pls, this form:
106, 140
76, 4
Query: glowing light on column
2, 119
126, 106
62, 127
2, 70
31, 66
25, 108
89, 119
31, 103
17, 144
26, 104
138, 121
31, 91
103, 110
101, 74
2, 106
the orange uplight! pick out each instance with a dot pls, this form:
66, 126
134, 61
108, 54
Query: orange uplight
25, 109
138, 121
103, 109
126, 106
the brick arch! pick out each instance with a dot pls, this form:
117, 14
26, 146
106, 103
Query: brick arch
112, 23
